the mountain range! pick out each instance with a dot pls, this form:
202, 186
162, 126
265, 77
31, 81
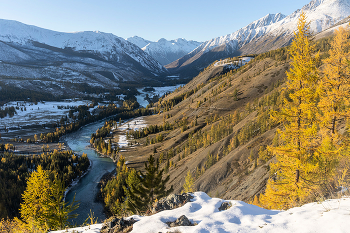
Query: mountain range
165, 51
270, 32
63, 61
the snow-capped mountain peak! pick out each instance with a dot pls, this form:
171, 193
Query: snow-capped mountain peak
316, 3
243, 35
269, 32
165, 51
49, 61
265, 21
162, 40
139, 41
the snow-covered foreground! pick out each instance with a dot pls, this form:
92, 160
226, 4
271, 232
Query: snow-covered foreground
88, 229
328, 216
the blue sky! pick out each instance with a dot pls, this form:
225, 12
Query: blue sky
151, 19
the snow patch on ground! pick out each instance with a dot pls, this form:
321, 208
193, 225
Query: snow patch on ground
134, 124
41, 113
87, 229
242, 61
157, 91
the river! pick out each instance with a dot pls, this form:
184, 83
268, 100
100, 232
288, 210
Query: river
86, 189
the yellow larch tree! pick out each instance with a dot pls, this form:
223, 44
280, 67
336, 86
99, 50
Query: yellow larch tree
189, 183
295, 174
33, 209
335, 84
43, 205
334, 104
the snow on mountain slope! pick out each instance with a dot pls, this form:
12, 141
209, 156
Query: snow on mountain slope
243, 35
165, 51
139, 41
323, 217
107, 45
321, 13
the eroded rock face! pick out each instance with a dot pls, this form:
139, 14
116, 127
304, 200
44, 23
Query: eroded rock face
181, 221
171, 202
116, 225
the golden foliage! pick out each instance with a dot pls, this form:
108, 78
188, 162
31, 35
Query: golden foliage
311, 153
334, 87
189, 183
34, 198
296, 169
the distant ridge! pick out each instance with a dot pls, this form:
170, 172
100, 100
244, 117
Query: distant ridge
165, 51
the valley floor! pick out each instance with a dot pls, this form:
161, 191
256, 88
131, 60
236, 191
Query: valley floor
327, 216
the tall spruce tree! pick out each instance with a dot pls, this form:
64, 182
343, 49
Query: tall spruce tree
151, 187
296, 169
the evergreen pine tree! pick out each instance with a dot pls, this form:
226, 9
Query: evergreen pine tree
151, 187
131, 182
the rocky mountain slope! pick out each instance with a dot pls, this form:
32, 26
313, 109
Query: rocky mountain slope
165, 51
31, 55
270, 32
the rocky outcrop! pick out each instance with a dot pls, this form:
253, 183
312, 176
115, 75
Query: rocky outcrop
116, 225
182, 221
171, 202
225, 206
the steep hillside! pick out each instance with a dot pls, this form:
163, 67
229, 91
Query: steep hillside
217, 127
270, 32
220, 123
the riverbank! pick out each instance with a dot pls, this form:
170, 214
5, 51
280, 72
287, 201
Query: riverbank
76, 180
103, 181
